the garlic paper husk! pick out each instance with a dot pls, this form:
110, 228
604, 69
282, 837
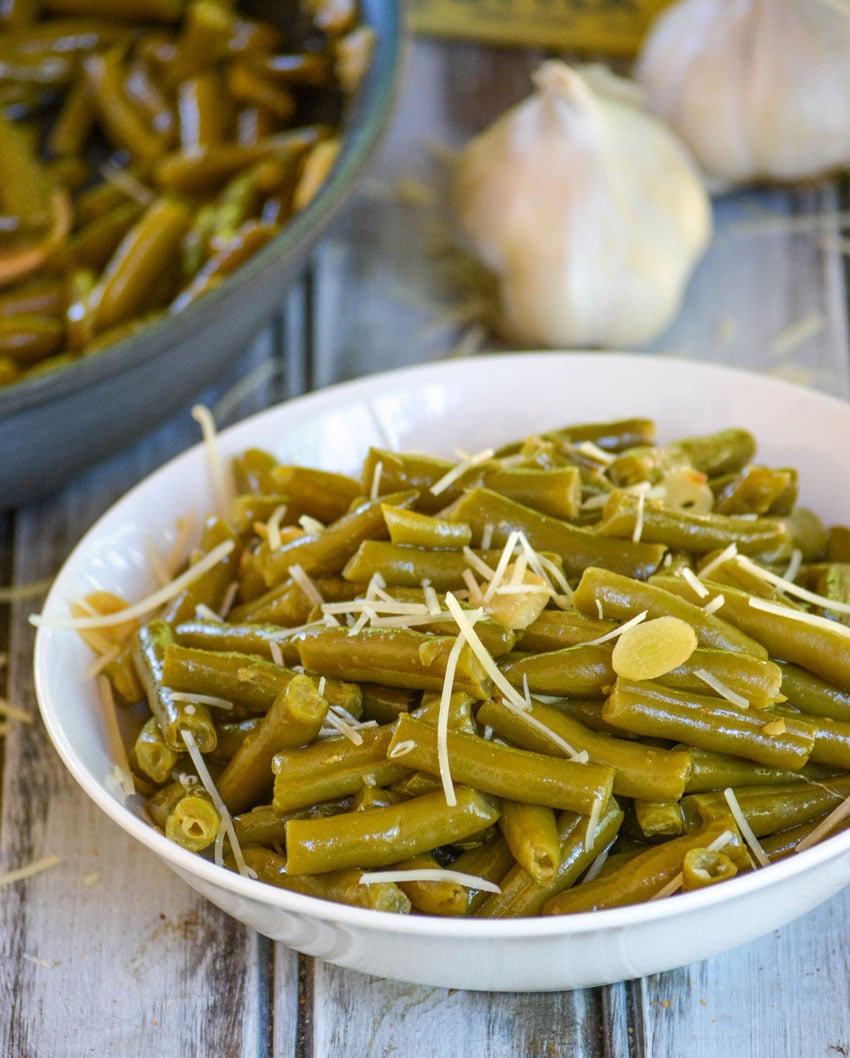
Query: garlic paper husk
757, 89
589, 211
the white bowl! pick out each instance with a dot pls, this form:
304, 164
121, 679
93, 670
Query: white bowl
467, 404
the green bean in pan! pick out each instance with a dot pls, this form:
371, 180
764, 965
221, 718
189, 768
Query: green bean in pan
522, 895
504, 771
722, 452
556, 629
383, 836
756, 679
439, 896
716, 771
640, 770
151, 753
490, 860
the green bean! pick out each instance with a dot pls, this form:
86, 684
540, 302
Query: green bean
522, 896
689, 530
319, 494
245, 679
150, 648
384, 836
649, 708
768, 809
646, 874
832, 737
716, 771
819, 648
813, 695
784, 842
294, 718
582, 671
408, 567
383, 704
248, 638
460, 711
144, 252
718, 453
504, 771
161, 802
122, 677
332, 768
423, 530
756, 490
327, 551
756, 679
92, 245
576, 546
264, 825
342, 887
621, 598
659, 819
702, 867
397, 657
287, 604
193, 822
28, 339
123, 123
639, 770
491, 860
152, 754
531, 833
556, 629
444, 896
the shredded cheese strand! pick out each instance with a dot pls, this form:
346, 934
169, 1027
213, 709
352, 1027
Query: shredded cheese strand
511, 694
688, 575
798, 615
218, 479
675, 883
826, 825
722, 689
725, 555
745, 828
306, 584
113, 736
36, 867
443, 763
459, 469
791, 588
143, 606
221, 808
430, 874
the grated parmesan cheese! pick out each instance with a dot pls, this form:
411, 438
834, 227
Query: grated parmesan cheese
143, 606
113, 736
641, 507
593, 824
725, 556
430, 874
459, 469
688, 575
201, 699
218, 478
791, 588
722, 689
798, 615
306, 584
714, 604
221, 808
273, 536
375, 489
36, 867
745, 828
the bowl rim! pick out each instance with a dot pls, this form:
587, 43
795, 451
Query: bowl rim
313, 908
375, 100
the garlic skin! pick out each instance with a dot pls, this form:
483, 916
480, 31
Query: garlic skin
588, 210
757, 89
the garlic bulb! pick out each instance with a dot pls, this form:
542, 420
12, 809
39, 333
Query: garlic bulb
587, 209
757, 89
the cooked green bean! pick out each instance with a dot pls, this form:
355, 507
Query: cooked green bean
522, 896
532, 836
342, 887
639, 770
384, 836
503, 771
294, 718
193, 822
332, 768
650, 708
646, 874
702, 867
580, 671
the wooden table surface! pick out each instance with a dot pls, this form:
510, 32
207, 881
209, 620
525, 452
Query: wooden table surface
110, 954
